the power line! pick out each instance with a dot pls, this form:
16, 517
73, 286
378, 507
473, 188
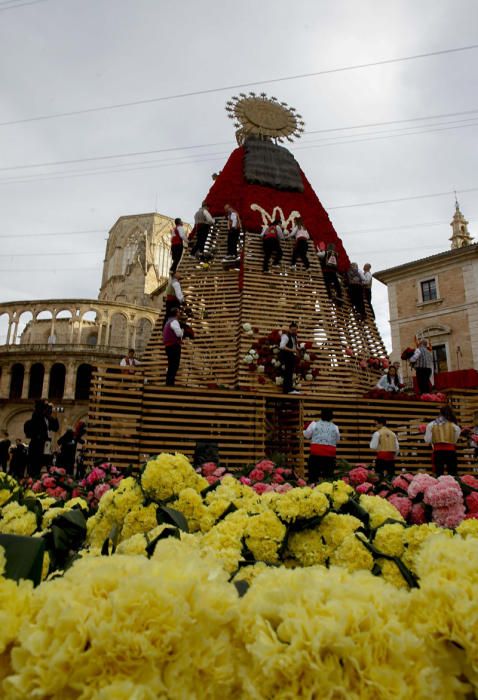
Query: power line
56, 233
417, 225
125, 167
300, 76
23, 4
403, 199
38, 255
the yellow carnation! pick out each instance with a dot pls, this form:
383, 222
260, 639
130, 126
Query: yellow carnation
352, 555
17, 520
308, 547
167, 475
379, 510
468, 528
389, 539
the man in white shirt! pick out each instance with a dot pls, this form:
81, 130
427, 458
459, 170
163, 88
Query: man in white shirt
179, 239
202, 222
233, 231
130, 361
172, 337
287, 356
422, 361
324, 436
366, 276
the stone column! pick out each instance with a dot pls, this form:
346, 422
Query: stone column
5, 381
70, 380
26, 379
46, 379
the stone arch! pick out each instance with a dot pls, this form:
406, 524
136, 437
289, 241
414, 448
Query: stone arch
17, 374
433, 331
118, 335
144, 328
83, 381
41, 326
37, 375
89, 327
24, 329
4, 326
64, 313
14, 422
56, 387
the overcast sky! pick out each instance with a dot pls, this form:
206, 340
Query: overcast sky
69, 55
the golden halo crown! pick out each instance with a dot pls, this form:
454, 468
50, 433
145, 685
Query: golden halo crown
266, 117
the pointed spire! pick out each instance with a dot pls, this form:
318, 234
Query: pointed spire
460, 236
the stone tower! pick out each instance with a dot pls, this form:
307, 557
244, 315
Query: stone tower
137, 259
460, 237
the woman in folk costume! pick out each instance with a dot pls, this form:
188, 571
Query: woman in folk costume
389, 381
324, 436
329, 260
302, 237
271, 237
178, 239
443, 434
385, 442
354, 280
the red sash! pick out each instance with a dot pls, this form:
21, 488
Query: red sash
323, 450
444, 446
386, 456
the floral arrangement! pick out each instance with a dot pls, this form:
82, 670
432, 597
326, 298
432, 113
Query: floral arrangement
407, 353
263, 476
422, 498
404, 395
263, 358
97, 482
228, 593
55, 482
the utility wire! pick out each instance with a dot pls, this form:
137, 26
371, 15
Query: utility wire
268, 81
403, 199
23, 4
124, 167
56, 233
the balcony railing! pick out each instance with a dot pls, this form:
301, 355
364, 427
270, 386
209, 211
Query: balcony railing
58, 348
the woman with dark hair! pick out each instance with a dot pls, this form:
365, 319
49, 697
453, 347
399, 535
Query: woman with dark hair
389, 381
443, 434
324, 436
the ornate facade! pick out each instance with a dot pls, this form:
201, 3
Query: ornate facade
48, 348
437, 298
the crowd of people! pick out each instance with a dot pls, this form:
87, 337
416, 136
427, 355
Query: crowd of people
441, 434
28, 459
175, 323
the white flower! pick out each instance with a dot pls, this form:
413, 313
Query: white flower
247, 327
260, 369
306, 357
275, 351
253, 353
279, 381
302, 346
309, 377
248, 359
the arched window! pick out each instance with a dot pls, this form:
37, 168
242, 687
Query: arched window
37, 373
16, 381
92, 339
56, 388
83, 381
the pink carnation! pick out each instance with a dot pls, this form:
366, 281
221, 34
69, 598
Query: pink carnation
365, 487
37, 487
301, 482
211, 479
471, 516
262, 488
245, 480
443, 496
402, 481
266, 466
472, 502
359, 475
278, 479
470, 480
95, 475
208, 468
257, 475
100, 490
49, 482
449, 516
282, 488
418, 514
401, 503
219, 471
419, 484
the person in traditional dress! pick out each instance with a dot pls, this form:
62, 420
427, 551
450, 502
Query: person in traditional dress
288, 355
271, 238
385, 442
389, 381
178, 240
354, 281
422, 362
443, 433
329, 260
324, 436
367, 279
233, 232
174, 295
202, 222
129, 361
302, 237
172, 337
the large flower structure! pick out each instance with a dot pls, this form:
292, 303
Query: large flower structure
263, 357
215, 591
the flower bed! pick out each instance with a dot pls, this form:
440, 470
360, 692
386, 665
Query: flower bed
422, 498
215, 591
